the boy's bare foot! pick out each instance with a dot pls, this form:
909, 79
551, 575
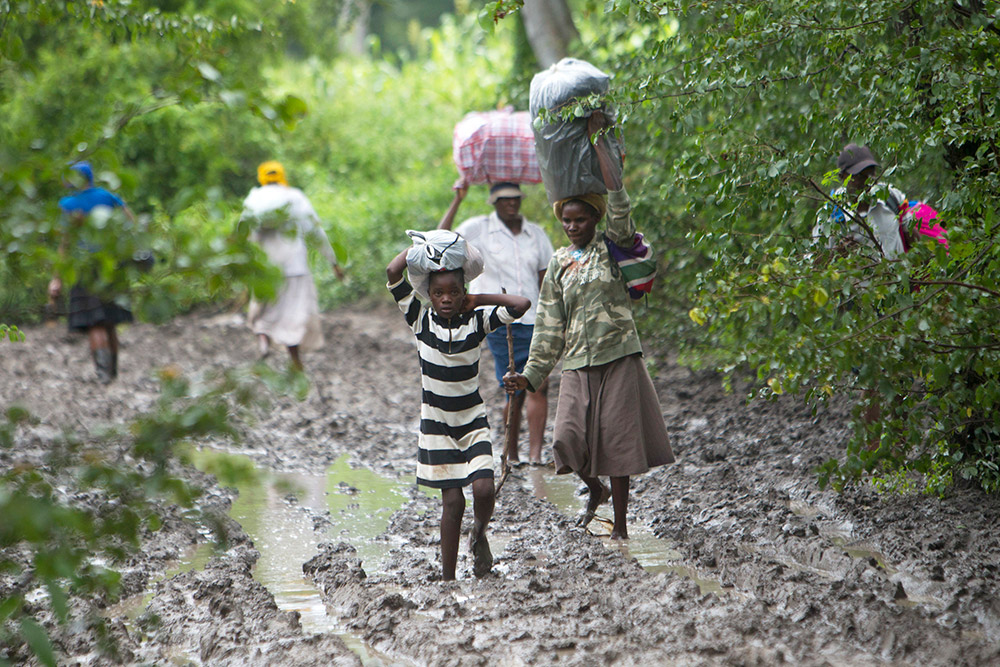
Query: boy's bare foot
619, 534
482, 557
597, 499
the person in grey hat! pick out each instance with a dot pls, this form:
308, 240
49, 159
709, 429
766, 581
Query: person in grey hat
866, 212
517, 253
866, 216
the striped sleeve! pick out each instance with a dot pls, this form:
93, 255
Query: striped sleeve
406, 299
495, 317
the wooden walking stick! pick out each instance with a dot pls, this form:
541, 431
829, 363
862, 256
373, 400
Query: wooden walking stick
508, 437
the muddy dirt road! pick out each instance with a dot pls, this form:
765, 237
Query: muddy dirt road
736, 558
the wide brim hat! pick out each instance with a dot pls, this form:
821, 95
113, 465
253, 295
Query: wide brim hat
505, 191
854, 159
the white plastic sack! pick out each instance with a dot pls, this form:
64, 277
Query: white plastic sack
440, 250
567, 80
566, 158
495, 146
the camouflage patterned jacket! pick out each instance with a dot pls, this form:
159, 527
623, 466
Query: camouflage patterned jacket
584, 311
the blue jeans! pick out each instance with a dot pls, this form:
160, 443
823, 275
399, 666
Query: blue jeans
497, 341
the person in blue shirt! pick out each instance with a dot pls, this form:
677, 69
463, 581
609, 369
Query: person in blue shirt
89, 313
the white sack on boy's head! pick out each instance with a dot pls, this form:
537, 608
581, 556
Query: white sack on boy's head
439, 250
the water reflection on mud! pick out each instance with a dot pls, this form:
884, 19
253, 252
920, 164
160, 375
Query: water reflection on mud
356, 502
652, 553
281, 513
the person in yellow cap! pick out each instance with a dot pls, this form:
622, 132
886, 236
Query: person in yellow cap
283, 219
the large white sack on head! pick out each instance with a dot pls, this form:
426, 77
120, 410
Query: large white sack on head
566, 158
440, 250
568, 79
495, 146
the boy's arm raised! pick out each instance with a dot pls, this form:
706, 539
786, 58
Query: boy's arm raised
517, 305
394, 272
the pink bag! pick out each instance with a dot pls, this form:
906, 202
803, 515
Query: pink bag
919, 217
495, 146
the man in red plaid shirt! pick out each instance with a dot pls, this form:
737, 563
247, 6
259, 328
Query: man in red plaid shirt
517, 253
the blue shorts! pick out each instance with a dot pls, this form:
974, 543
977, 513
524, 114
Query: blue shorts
498, 346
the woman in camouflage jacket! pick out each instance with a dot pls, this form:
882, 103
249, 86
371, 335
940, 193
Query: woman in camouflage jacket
608, 421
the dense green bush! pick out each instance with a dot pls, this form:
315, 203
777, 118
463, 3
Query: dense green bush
734, 115
368, 140
170, 106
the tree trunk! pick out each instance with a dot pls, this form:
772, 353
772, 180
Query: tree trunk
550, 29
355, 15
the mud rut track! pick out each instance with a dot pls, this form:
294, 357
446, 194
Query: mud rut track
806, 577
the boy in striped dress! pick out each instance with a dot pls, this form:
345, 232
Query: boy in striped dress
454, 445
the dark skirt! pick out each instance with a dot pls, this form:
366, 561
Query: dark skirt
609, 422
86, 311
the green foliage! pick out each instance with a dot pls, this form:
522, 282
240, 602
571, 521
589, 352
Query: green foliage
52, 539
374, 152
11, 333
495, 11
369, 141
231, 470
148, 94
734, 114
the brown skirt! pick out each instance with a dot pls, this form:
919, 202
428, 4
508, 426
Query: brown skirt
608, 421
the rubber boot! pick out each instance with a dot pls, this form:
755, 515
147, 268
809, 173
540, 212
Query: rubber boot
104, 362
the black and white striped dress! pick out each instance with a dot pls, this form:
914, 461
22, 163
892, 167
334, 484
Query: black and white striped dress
454, 445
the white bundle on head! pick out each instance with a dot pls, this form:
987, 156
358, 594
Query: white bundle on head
439, 250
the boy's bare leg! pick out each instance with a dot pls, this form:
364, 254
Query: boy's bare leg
483, 502
537, 407
452, 509
514, 402
619, 497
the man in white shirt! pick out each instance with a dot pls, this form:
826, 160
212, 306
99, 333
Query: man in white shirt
870, 223
876, 205
517, 253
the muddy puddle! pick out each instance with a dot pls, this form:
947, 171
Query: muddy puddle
287, 516
654, 554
